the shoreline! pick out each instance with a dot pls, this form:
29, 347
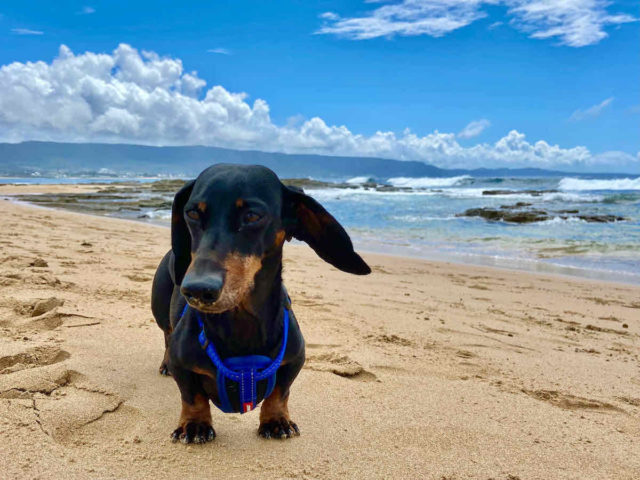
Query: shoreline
519, 264
487, 261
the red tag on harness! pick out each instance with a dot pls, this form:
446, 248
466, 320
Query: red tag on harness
247, 407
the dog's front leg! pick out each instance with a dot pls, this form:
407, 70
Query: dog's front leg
195, 417
274, 413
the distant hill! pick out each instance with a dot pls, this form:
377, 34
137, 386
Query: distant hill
90, 158
99, 159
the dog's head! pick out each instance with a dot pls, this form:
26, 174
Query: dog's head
231, 219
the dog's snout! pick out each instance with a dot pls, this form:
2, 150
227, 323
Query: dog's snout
204, 290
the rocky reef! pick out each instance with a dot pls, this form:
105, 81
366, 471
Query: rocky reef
307, 183
533, 193
521, 213
140, 200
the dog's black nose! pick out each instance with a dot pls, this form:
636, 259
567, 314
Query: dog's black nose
203, 289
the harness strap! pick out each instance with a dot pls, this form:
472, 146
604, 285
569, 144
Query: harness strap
245, 371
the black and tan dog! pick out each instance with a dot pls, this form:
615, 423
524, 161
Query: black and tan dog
221, 285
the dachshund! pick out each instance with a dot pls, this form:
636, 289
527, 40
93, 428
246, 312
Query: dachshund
219, 298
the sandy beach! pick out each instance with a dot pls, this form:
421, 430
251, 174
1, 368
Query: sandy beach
420, 370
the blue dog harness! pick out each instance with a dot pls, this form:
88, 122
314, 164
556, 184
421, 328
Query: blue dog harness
240, 375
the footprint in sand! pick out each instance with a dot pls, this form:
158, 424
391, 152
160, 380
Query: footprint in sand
21, 359
26, 383
62, 401
38, 263
138, 277
570, 402
36, 386
487, 329
465, 354
391, 339
30, 278
322, 345
630, 400
595, 328
26, 269
65, 412
40, 307
43, 315
340, 365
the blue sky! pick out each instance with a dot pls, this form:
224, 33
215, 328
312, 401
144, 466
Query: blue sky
476, 83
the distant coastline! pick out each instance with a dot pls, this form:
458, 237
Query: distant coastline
51, 159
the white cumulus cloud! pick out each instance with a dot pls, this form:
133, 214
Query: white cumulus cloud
474, 128
575, 23
130, 96
592, 111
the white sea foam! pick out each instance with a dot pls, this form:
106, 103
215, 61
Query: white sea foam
421, 218
333, 193
571, 197
428, 182
560, 220
570, 183
159, 214
545, 197
358, 180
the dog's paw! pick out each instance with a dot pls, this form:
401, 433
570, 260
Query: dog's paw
281, 428
193, 432
164, 370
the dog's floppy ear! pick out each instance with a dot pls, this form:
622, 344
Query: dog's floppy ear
180, 237
307, 220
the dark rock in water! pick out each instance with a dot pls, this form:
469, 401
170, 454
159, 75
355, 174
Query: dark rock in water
167, 185
517, 205
309, 183
600, 218
158, 203
526, 216
518, 213
507, 214
390, 188
533, 193
369, 185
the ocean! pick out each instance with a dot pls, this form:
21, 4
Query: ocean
586, 226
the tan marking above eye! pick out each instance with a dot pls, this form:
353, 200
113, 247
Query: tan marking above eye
202, 206
193, 215
239, 203
280, 236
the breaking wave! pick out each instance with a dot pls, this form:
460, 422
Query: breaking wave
569, 183
429, 182
360, 180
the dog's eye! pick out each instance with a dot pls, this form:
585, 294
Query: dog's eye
250, 218
193, 215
